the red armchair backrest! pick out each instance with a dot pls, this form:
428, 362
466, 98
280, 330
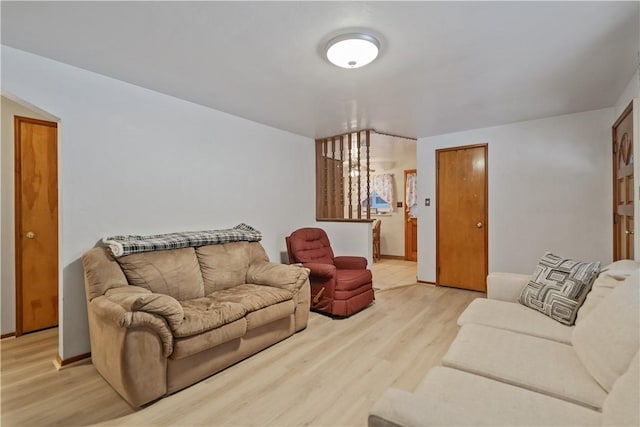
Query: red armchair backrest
309, 245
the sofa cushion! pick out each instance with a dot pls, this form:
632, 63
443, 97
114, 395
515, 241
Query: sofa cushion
601, 288
174, 272
203, 314
622, 265
559, 286
224, 266
514, 317
348, 280
269, 314
188, 346
622, 406
478, 400
102, 272
533, 363
252, 297
607, 339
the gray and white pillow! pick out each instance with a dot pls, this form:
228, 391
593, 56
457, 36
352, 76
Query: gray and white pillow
559, 286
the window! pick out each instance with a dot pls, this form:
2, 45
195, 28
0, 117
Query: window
377, 203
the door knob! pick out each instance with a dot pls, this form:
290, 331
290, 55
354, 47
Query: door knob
479, 224
31, 235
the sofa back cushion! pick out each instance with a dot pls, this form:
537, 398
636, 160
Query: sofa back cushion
224, 266
606, 282
102, 272
607, 339
622, 406
174, 272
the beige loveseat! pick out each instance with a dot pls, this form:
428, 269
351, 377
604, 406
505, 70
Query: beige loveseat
513, 366
161, 321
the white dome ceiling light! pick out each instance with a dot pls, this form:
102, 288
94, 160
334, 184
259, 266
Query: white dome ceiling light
353, 50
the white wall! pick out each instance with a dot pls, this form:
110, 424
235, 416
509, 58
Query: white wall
137, 161
632, 93
349, 238
7, 238
549, 190
632, 90
393, 156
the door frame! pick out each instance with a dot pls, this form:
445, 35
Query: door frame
18, 213
614, 157
486, 203
406, 212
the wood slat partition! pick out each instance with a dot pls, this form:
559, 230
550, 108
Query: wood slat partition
336, 176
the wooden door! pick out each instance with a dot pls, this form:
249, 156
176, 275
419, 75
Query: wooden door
410, 220
36, 197
623, 201
461, 217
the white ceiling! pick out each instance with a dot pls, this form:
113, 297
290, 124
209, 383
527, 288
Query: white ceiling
444, 66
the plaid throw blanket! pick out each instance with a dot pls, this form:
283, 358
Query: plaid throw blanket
126, 245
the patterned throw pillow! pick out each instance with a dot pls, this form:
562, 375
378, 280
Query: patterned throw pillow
559, 286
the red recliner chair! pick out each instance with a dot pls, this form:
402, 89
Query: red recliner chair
340, 286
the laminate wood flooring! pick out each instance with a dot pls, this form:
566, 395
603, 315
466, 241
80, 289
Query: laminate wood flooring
327, 375
391, 273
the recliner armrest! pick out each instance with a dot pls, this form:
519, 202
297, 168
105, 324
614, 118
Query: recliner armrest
326, 271
506, 286
350, 262
290, 277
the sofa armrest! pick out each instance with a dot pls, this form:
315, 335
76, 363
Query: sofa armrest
350, 262
114, 313
323, 271
506, 286
290, 277
162, 305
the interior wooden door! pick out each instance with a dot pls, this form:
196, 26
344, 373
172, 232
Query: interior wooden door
461, 217
36, 196
623, 201
410, 219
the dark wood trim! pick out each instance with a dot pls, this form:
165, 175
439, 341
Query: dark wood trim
63, 362
17, 197
614, 157
400, 257
343, 220
18, 209
10, 334
486, 203
406, 213
427, 283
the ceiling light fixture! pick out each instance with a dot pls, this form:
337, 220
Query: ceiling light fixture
352, 50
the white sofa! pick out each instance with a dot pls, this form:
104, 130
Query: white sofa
513, 366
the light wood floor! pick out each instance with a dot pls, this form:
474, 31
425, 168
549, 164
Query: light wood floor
327, 375
391, 273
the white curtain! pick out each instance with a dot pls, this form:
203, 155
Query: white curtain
383, 185
412, 194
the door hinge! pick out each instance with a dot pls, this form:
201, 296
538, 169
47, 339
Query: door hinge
615, 218
615, 147
438, 164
